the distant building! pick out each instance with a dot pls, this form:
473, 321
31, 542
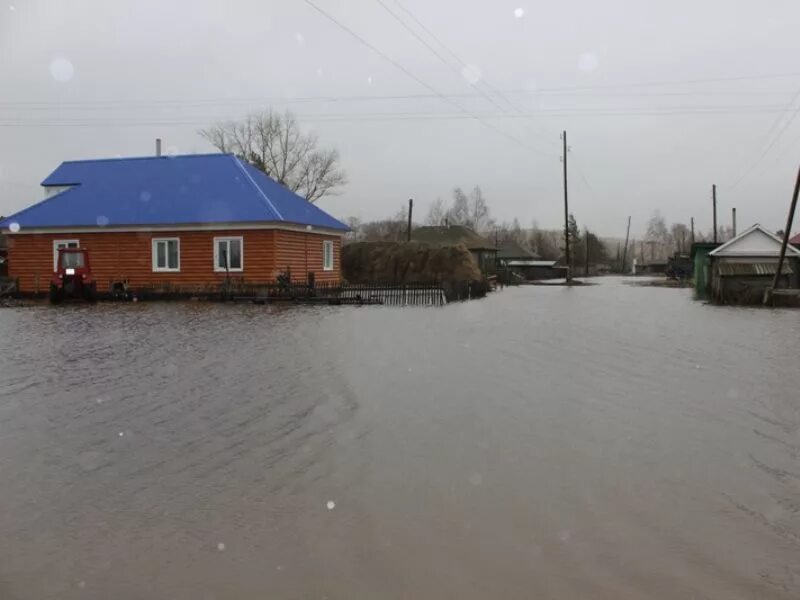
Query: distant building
742, 268
186, 222
526, 263
440, 236
510, 251
795, 241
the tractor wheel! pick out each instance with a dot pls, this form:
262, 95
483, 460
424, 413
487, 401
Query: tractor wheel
55, 295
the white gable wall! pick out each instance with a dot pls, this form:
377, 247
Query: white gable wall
52, 190
754, 243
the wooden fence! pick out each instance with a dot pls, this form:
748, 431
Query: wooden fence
408, 294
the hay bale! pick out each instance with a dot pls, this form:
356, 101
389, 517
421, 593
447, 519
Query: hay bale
407, 262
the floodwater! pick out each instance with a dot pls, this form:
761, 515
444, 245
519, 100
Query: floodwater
605, 442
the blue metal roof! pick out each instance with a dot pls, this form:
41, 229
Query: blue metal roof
167, 190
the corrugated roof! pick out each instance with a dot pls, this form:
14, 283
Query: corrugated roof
795, 240
531, 263
167, 190
451, 235
510, 250
727, 269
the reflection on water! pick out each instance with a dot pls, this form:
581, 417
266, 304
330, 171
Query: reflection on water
604, 442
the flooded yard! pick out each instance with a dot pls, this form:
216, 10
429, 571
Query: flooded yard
611, 441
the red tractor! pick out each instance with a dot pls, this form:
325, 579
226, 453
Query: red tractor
73, 276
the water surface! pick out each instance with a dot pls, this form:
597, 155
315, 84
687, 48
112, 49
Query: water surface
604, 442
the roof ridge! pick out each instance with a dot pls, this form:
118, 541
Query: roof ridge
261, 192
751, 229
151, 157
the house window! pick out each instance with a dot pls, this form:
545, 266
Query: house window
327, 256
166, 254
228, 254
62, 244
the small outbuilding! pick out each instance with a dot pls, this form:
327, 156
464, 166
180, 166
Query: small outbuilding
742, 268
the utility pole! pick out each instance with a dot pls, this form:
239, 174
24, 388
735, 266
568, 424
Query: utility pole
410, 212
566, 211
586, 233
733, 219
786, 233
625, 252
714, 199
692, 230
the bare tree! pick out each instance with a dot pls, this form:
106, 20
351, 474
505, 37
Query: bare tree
275, 144
386, 230
681, 235
437, 212
479, 211
355, 234
459, 213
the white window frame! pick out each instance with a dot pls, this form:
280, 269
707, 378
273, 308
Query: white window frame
62, 244
227, 238
327, 245
153, 247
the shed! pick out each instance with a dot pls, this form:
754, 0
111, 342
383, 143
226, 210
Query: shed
702, 267
742, 268
512, 251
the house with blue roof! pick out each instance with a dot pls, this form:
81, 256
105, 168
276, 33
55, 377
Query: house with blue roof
188, 222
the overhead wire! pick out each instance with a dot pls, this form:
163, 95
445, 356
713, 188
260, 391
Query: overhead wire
406, 116
437, 54
452, 53
580, 92
775, 139
410, 74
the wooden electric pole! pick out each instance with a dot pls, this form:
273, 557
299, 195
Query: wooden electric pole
692, 230
586, 270
566, 210
787, 231
410, 212
625, 252
733, 221
714, 200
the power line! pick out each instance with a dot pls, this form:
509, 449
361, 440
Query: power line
583, 91
436, 53
454, 55
399, 66
582, 176
775, 139
438, 40
197, 120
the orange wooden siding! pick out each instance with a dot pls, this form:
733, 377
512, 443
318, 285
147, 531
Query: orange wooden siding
301, 252
128, 256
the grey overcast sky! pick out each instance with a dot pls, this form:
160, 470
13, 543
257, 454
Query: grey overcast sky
660, 98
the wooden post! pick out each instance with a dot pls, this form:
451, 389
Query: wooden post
733, 220
692, 230
566, 210
625, 252
410, 212
714, 200
786, 233
586, 270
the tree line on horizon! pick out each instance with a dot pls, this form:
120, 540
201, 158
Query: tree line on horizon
276, 144
471, 209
